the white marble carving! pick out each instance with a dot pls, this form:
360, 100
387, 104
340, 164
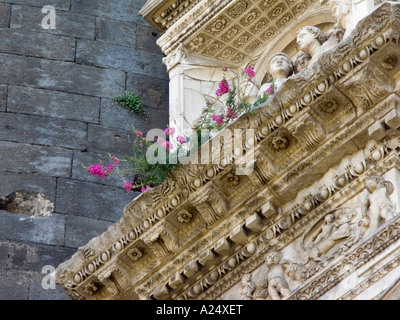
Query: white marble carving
280, 67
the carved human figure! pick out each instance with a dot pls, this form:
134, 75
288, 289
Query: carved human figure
341, 10
334, 35
261, 290
310, 40
336, 227
248, 287
278, 288
280, 67
378, 205
297, 272
325, 229
302, 61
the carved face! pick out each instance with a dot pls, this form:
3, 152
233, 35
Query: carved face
329, 218
305, 39
273, 258
280, 66
371, 186
302, 62
340, 10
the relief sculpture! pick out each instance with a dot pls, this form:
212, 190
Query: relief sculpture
338, 226
378, 205
310, 40
248, 287
278, 287
280, 67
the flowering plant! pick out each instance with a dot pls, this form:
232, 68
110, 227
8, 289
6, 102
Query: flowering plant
140, 174
143, 173
218, 113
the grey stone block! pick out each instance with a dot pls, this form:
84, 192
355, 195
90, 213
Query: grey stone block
102, 139
146, 39
115, 116
44, 230
3, 97
107, 55
42, 130
116, 32
85, 159
11, 182
37, 44
155, 92
54, 104
123, 10
58, 4
39, 292
67, 23
61, 76
5, 12
33, 257
14, 285
91, 200
25, 158
80, 230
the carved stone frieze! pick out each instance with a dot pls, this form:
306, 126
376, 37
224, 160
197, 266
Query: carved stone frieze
317, 148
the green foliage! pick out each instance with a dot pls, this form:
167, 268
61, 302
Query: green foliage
146, 174
220, 112
131, 101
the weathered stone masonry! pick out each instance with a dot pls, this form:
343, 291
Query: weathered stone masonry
56, 115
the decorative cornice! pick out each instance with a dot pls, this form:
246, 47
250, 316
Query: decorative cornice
153, 253
232, 31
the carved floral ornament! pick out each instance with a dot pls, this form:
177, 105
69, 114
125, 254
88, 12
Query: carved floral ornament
243, 245
215, 29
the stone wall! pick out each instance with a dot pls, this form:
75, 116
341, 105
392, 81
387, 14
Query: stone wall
57, 114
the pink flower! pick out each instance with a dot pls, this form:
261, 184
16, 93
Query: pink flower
249, 71
181, 139
128, 186
169, 131
217, 119
110, 168
145, 188
224, 69
97, 170
270, 90
139, 133
231, 114
160, 140
167, 145
208, 104
223, 87
115, 159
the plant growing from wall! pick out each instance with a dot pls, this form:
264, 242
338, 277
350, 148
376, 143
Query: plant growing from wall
131, 101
